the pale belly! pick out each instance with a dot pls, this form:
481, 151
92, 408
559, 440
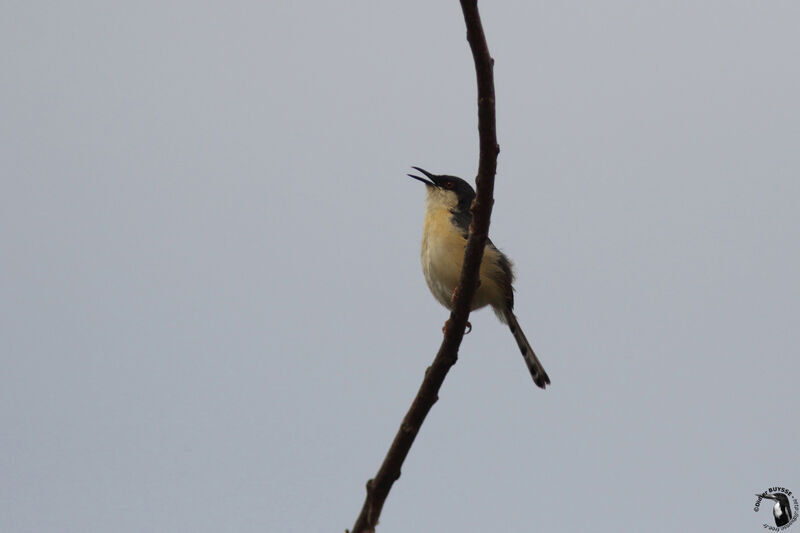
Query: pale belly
442, 256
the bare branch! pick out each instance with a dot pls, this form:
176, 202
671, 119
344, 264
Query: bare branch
378, 488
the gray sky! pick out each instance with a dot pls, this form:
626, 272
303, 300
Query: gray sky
212, 312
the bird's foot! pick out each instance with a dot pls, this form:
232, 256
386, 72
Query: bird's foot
453, 297
455, 292
447, 323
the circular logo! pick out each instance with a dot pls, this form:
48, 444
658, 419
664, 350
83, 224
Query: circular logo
784, 510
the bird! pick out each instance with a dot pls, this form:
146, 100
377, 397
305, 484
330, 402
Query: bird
782, 511
444, 239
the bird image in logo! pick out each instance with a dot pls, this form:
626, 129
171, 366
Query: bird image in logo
784, 510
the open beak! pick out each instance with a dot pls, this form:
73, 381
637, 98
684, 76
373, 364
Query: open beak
430, 182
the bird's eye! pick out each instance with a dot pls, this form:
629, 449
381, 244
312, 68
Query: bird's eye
449, 185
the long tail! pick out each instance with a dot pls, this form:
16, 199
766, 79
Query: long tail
538, 374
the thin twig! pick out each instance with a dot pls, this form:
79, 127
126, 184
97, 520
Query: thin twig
378, 488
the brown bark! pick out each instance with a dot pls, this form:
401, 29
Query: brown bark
378, 487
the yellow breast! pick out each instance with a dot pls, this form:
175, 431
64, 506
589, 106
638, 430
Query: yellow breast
442, 255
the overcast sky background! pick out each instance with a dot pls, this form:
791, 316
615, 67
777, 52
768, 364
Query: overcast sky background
212, 312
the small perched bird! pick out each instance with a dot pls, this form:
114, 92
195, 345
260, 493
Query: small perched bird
782, 510
444, 238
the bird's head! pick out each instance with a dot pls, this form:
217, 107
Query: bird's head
448, 191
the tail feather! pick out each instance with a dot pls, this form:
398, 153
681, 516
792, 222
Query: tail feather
538, 374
